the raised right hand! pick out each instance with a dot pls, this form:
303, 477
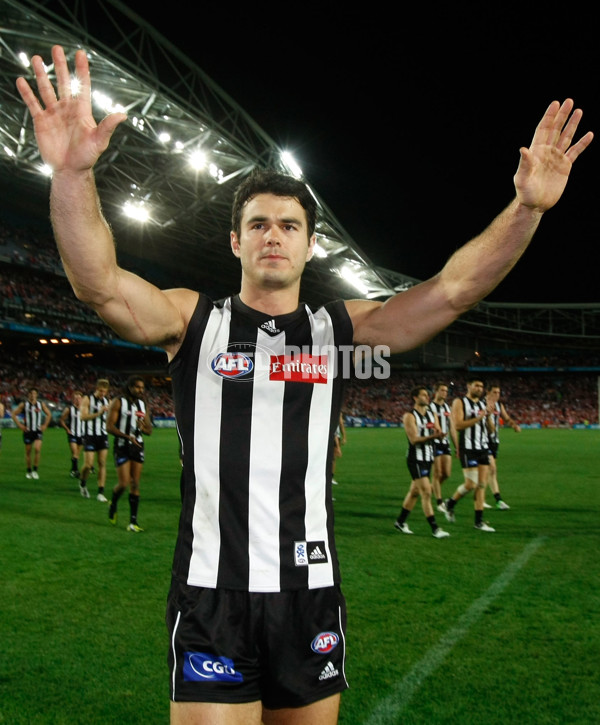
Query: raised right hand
68, 137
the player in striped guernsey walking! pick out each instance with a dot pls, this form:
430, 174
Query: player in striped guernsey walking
32, 416
442, 453
500, 415
473, 421
129, 421
93, 412
255, 613
422, 429
70, 420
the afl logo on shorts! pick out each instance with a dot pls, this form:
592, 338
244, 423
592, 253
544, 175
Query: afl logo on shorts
232, 364
324, 642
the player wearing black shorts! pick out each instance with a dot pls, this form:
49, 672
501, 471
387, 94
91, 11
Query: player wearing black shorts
258, 399
422, 428
442, 453
32, 416
93, 412
129, 421
473, 421
70, 420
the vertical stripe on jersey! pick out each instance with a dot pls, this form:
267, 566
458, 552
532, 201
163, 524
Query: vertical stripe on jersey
319, 465
204, 560
265, 469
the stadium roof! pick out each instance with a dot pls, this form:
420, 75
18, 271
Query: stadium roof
177, 115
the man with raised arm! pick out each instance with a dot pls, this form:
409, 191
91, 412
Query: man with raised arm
255, 613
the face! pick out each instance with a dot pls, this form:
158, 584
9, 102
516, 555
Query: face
273, 244
475, 389
137, 389
76, 399
422, 398
102, 392
32, 396
442, 392
494, 393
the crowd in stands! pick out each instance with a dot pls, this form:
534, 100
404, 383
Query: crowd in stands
34, 292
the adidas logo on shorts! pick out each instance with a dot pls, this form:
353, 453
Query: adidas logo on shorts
328, 672
317, 555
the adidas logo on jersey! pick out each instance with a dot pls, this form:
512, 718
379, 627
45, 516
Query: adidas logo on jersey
316, 554
328, 672
269, 326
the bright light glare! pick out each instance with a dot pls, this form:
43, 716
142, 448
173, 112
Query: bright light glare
46, 170
24, 59
75, 86
319, 251
164, 137
290, 163
350, 276
136, 211
198, 160
106, 103
8, 151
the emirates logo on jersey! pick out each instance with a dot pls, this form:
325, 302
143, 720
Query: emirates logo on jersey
302, 368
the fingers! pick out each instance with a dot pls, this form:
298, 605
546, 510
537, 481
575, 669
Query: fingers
580, 146
63, 77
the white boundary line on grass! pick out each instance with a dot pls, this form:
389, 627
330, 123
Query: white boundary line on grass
388, 710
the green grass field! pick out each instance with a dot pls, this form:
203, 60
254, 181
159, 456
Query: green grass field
477, 628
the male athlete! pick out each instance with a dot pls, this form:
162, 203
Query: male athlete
129, 421
472, 419
93, 411
255, 613
70, 420
422, 429
499, 414
442, 453
36, 418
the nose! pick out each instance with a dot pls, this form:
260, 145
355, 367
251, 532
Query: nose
272, 237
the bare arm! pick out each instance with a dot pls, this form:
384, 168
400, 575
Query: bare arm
458, 416
14, 414
47, 418
412, 431
508, 420
71, 142
410, 318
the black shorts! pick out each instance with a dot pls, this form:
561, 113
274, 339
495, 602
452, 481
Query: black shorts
78, 440
30, 436
419, 469
286, 649
494, 449
127, 451
441, 448
95, 443
473, 459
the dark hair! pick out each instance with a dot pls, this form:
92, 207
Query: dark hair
417, 389
439, 384
474, 378
269, 181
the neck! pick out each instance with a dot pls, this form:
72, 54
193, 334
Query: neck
421, 408
271, 301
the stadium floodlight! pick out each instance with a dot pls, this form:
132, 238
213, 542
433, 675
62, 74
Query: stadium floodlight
290, 164
24, 59
164, 137
197, 160
46, 170
75, 86
136, 210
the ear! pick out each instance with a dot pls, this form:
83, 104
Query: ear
311, 247
235, 244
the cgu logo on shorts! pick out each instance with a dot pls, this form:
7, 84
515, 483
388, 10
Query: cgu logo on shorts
303, 368
232, 364
201, 667
324, 642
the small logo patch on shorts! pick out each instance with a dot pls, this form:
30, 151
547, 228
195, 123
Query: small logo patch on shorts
201, 667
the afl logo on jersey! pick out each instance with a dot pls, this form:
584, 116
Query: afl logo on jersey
324, 642
232, 364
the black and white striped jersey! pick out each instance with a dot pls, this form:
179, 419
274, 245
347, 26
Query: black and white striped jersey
496, 414
128, 420
442, 410
76, 425
96, 426
257, 401
474, 438
425, 425
33, 415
